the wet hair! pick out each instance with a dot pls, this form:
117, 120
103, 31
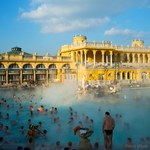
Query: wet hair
107, 113
58, 143
29, 120
40, 122
129, 139
22, 127
70, 143
66, 148
45, 131
6, 127
71, 114
91, 120
19, 148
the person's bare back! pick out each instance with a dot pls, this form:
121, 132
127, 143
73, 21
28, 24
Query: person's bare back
108, 127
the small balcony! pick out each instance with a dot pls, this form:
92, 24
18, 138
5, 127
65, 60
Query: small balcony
2, 71
13, 71
52, 71
27, 71
38, 71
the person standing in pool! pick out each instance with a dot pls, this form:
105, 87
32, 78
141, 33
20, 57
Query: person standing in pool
108, 127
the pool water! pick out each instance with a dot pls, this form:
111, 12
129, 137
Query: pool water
134, 109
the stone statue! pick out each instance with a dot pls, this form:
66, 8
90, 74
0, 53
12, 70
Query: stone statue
83, 82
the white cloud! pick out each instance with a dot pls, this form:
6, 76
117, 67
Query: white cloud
71, 15
126, 33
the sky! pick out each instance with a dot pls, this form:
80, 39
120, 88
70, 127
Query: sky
43, 26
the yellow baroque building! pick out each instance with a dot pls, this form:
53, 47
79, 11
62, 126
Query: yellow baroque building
98, 62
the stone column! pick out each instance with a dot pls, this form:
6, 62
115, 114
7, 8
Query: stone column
103, 52
94, 53
106, 59
143, 58
20, 75
127, 57
110, 58
116, 76
120, 75
46, 75
81, 52
133, 57
76, 56
138, 55
115, 57
121, 57
131, 75
85, 52
34, 74
126, 76
6, 76
148, 58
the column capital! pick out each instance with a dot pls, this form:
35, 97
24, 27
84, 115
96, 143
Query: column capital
133, 54
110, 52
128, 54
115, 53
103, 52
121, 54
148, 55
94, 51
138, 54
81, 52
143, 54
85, 51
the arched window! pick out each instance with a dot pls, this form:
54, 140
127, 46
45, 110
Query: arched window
13, 66
27, 66
52, 66
40, 66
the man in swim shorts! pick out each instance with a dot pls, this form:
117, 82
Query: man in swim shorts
107, 128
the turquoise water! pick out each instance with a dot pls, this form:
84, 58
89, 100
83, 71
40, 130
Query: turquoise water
133, 111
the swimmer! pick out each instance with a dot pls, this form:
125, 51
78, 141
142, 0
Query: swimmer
45, 131
86, 119
57, 119
52, 109
13, 95
7, 129
25, 98
70, 109
70, 146
13, 122
35, 105
37, 112
29, 121
40, 99
91, 122
40, 125
7, 116
59, 127
80, 124
32, 108
71, 115
71, 121
54, 120
55, 111
12, 105
22, 129
107, 128
99, 109
0, 104
7, 107
41, 108
29, 132
97, 144
116, 116
75, 114
129, 144
21, 108
17, 113
51, 114
1, 115
120, 117
45, 112
31, 113
1, 126
30, 102
58, 145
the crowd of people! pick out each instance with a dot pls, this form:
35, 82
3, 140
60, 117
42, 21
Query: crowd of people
34, 131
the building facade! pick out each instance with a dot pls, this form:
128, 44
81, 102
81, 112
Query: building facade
97, 61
